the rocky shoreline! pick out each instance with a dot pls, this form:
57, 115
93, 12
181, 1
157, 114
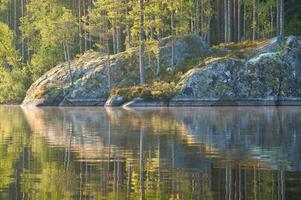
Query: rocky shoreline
217, 102
186, 103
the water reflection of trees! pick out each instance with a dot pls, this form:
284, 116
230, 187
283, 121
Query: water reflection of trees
180, 154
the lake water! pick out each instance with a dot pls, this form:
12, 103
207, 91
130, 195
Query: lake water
175, 153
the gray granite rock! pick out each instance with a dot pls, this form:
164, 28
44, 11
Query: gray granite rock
89, 73
269, 76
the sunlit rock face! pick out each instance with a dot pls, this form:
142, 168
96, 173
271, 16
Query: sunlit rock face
89, 73
272, 76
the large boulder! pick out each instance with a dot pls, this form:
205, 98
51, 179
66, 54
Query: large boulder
90, 86
89, 73
219, 78
269, 78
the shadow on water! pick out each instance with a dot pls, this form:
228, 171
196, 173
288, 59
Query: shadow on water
170, 153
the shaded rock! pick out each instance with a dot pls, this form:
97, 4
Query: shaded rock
185, 47
272, 45
292, 41
219, 79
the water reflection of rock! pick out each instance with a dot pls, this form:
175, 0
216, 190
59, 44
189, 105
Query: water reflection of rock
265, 135
268, 134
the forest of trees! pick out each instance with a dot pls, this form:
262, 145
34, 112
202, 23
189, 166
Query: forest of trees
35, 35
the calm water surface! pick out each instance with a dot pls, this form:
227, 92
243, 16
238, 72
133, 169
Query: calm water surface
180, 153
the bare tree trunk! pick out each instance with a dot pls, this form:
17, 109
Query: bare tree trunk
118, 39
272, 21
85, 32
238, 20
209, 31
79, 26
197, 17
141, 46
229, 21
254, 21
23, 45
109, 66
202, 21
129, 36
234, 8
218, 21
114, 40
245, 19
158, 57
172, 37
281, 18
226, 20
278, 17
67, 59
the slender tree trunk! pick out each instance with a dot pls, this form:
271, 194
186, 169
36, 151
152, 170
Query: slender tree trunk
245, 22
109, 66
114, 40
67, 59
141, 46
79, 26
172, 37
158, 57
226, 20
234, 8
118, 39
238, 20
197, 17
254, 24
129, 36
22, 42
218, 21
85, 31
229, 21
202, 21
281, 18
272, 21
278, 17
209, 31
15, 21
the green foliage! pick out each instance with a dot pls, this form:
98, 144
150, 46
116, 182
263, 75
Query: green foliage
46, 29
159, 91
14, 80
13, 85
8, 54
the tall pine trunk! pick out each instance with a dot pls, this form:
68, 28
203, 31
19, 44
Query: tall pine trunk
229, 21
172, 37
79, 26
68, 60
281, 18
254, 23
109, 66
197, 17
245, 22
141, 46
238, 20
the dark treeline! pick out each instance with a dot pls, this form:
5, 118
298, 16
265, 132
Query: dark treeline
37, 34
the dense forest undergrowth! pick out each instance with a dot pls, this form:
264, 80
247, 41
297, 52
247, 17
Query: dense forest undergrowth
37, 35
